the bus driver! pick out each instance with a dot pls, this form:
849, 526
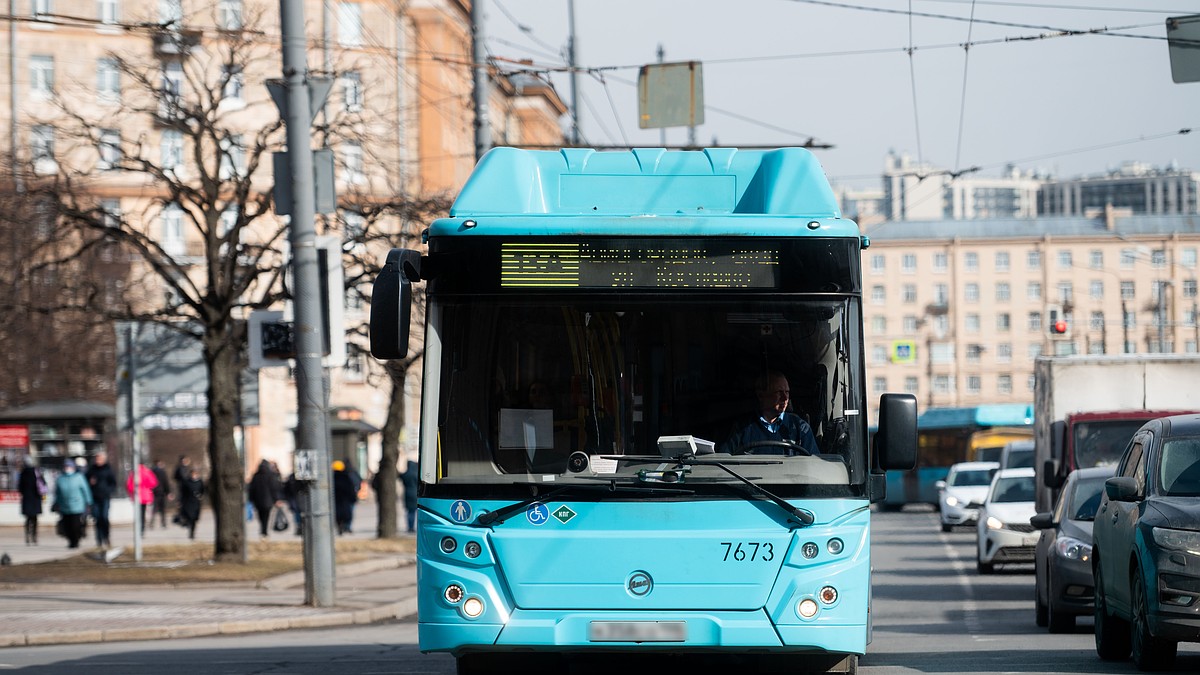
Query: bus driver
775, 431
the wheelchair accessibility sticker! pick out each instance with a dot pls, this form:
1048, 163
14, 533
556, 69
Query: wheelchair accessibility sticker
460, 511
537, 514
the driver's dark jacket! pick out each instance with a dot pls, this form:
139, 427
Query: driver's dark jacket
790, 427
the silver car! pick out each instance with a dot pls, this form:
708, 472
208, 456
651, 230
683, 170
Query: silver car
1005, 535
967, 483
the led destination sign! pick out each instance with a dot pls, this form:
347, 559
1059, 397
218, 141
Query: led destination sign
639, 263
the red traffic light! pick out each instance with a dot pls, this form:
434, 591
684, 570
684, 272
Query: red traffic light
1060, 327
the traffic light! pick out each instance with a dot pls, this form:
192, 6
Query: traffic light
1057, 323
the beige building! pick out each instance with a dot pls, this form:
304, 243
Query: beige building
956, 311
398, 119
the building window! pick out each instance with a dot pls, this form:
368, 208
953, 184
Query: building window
971, 292
1158, 258
879, 325
229, 14
909, 293
170, 12
172, 231
878, 294
352, 157
908, 263
1003, 292
1033, 290
1030, 382
42, 8
971, 323
108, 80
355, 369
352, 95
1128, 257
1004, 352
939, 262
974, 353
971, 262
41, 149
1096, 289
1035, 322
910, 325
879, 384
1097, 321
1004, 384
974, 384
172, 90
107, 11
878, 264
1003, 322
233, 157
941, 384
910, 385
1129, 320
349, 24
1189, 288
942, 352
1065, 292
1002, 261
235, 83
1034, 350
941, 294
1127, 290
41, 76
1064, 260
110, 149
1187, 257
1096, 259
171, 148
879, 354
1033, 260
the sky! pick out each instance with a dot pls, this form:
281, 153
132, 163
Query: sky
868, 77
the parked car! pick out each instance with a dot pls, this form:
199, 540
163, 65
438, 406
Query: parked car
1063, 557
965, 484
1004, 532
1017, 455
1146, 550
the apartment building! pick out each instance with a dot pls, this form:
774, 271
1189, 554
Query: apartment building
401, 83
956, 311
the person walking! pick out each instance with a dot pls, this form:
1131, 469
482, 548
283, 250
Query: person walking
72, 497
162, 494
180, 475
409, 480
190, 495
265, 492
345, 495
32, 486
103, 482
145, 496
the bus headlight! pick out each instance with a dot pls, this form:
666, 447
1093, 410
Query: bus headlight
453, 594
828, 595
472, 549
835, 546
473, 607
807, 608
448, 545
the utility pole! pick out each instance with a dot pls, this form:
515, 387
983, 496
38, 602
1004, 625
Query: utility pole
311, 435
483, 126
662, 132
574, 73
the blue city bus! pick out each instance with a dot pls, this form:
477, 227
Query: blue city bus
595, 323
947, 436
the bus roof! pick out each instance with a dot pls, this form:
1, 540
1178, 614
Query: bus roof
994, 415
697, 192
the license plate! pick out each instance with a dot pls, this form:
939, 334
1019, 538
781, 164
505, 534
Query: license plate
637, 631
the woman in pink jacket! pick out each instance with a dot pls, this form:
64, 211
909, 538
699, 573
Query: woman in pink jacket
146, 484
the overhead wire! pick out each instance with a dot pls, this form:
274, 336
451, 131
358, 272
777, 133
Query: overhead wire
912, 78
962, 106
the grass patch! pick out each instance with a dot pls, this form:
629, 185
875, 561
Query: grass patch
193, 563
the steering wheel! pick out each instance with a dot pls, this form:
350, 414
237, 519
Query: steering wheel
791, 448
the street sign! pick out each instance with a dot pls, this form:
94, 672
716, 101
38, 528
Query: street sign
304, 464
671, 95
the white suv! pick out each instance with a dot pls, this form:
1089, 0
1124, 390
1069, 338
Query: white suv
967, 483
1005, 535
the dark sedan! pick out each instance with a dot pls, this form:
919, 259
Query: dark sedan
1063, 558
1146, 555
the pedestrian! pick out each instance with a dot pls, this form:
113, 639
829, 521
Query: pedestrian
180, 475
162, 494
345, 494
265, 492
145, 496
189, 501
103, 481
409, 480
72, 497
293, 492
32, 486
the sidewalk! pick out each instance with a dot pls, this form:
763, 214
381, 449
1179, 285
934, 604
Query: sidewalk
372, 590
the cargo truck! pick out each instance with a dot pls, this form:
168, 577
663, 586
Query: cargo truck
1088, 407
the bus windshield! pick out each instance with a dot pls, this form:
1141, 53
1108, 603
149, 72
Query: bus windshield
1103, 442
564, 387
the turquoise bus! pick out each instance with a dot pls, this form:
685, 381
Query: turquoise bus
594, 325
947, 436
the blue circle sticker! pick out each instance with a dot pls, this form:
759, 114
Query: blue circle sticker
537, 514
460, 511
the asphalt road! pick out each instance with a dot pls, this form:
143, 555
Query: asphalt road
933, 614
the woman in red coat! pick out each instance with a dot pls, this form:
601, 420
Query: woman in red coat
146, 484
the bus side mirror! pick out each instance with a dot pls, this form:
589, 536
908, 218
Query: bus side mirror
391, 304
1050, 475
896, 440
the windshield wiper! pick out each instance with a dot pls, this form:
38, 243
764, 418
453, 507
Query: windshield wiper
804, 517
503, 513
